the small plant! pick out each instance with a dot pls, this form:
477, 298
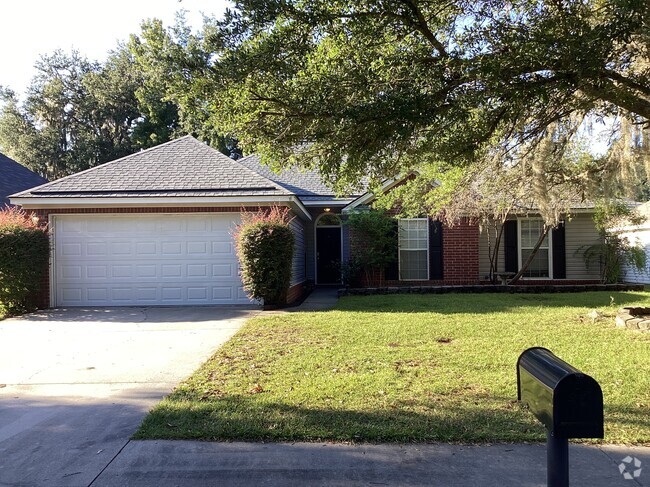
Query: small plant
265, 245
613, 252
24, 254
375, 236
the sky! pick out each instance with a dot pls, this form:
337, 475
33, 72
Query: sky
31, 28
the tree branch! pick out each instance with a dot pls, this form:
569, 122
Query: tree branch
422, 25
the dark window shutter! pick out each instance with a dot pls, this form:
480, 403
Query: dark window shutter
559, 252
435, 250
391, 272
510, 251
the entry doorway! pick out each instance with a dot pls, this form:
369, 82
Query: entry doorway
328, 249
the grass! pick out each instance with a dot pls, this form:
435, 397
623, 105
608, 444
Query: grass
408, 368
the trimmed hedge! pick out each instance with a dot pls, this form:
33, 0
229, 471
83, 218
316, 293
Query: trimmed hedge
265, 246
24, 255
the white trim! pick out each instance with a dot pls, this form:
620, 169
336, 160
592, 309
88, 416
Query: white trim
51, 224
369, 196
336, 202
549, 236
316, 227
296, 201
157, 201
399, 250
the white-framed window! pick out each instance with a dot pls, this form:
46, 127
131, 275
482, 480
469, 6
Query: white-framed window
413, 238
529, 231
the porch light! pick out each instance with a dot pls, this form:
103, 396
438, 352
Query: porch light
327, 210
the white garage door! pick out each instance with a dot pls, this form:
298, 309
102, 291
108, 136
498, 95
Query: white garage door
162, 259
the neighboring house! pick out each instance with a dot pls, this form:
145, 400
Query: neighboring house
15, 177
155, 228
638, 235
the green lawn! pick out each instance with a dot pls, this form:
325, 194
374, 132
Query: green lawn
405, 368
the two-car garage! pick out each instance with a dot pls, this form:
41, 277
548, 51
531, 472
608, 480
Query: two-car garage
145, 259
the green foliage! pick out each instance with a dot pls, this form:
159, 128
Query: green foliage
613, 252
612, 255
174, 63
79, 114
24, 254
375, 242
392, 86
265, 245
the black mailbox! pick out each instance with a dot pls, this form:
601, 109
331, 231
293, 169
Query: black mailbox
568, 402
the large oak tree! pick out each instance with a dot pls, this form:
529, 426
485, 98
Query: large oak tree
380, 87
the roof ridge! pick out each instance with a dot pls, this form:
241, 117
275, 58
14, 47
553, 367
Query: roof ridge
110, 163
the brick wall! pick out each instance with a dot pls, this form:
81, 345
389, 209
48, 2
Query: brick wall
460, 253
296, 293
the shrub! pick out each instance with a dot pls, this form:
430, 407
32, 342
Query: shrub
24, 254
265, 245
612, 253
374, 233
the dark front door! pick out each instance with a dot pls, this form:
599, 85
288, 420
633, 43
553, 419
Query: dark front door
328, 255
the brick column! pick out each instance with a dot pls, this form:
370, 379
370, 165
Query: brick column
460, 253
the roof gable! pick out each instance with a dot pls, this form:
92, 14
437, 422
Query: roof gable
15, 177
182, 167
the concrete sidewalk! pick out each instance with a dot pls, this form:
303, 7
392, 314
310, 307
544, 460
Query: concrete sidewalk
320, 299
196, 464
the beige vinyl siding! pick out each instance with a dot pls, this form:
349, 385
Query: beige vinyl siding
484, 254
298, 271
580, 233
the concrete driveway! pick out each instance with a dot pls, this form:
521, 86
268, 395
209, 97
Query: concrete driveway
76, 383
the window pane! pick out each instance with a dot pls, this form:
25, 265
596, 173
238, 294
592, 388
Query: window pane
413, 245
413, 264
539, 266
413, 235
530, 232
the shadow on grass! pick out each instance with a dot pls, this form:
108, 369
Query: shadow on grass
244, 418
236, 418
487, 302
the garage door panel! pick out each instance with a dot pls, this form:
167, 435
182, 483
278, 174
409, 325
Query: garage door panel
146, 259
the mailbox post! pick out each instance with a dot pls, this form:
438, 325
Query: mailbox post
568, 402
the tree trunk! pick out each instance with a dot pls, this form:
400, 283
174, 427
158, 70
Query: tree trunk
494, 253
531, 256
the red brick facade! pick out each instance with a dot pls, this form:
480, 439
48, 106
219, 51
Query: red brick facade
296, 293
460, 253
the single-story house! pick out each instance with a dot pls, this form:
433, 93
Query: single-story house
155, 228
15, 177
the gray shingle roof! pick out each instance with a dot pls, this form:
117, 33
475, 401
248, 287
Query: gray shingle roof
307, 185
15, 177
182, 167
